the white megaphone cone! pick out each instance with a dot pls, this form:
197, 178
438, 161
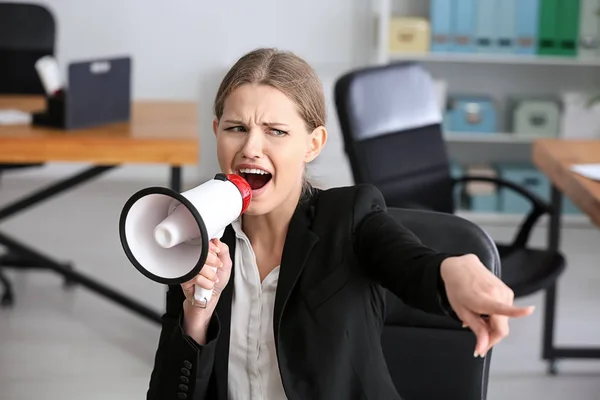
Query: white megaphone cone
166, 234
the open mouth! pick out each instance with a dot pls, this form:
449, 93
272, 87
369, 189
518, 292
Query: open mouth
256, 178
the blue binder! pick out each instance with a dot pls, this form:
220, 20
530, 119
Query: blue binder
527, 17
506, 31
464, 15
441, 25
485, 37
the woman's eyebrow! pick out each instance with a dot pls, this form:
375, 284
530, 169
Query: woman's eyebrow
265, 123
274, 123
234, 121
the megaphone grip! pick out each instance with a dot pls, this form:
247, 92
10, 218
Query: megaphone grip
202, 296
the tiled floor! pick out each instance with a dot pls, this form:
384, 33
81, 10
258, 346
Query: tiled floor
61, 345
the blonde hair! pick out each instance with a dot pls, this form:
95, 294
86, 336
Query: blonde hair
286, 72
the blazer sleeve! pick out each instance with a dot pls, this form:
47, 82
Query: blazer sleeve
181, 365
393, 256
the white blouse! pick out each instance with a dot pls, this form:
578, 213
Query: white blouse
253, 367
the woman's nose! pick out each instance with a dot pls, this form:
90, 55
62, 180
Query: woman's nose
253, 147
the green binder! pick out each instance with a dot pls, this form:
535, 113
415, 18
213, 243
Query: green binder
548, 27
567, 23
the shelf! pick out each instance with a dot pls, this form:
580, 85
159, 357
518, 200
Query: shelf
497, 59
501, 219
466, 137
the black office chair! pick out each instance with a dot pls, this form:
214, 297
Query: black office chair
391, 126
27, 33
428, 356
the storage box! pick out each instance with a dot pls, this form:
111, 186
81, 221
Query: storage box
409, 35
526, 176
579, 120
531, 178
535, 117
471, 114
482, 196
569, 208
457, 171
98, 92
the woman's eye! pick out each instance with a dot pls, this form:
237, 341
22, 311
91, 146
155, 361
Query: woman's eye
236, 129
278, 132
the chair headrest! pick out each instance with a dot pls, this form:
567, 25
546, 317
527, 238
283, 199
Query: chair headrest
26, 27
387, 99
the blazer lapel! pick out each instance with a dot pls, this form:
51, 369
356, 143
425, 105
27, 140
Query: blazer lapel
299, 242
223, 310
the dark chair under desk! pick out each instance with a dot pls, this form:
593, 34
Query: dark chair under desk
27, 33
391, 126
431, 357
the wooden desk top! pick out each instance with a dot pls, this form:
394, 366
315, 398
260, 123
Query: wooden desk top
159, 132
554, 158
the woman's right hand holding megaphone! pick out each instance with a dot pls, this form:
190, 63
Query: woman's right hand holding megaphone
196, 319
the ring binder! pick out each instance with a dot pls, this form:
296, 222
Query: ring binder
98, 92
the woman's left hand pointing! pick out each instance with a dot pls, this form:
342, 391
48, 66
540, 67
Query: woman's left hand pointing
482, 301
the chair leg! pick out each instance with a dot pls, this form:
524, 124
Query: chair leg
8, 297
12, 260
68, 283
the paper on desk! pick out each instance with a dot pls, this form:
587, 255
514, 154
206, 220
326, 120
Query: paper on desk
591, 171
14, 117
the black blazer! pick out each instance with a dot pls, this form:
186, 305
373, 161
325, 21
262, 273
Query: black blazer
341, 249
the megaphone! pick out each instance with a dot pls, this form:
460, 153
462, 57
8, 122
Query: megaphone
166, 234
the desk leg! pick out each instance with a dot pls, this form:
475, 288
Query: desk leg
79, 278
551, 352
21, 255
176, 178
550, 298
13, 259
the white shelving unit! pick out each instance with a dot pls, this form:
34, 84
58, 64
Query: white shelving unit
500, 137
499, 76
496, 59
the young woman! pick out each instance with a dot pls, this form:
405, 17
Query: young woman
298, 299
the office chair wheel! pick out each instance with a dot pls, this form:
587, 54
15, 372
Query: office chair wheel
68, 283
7, 300
552, 367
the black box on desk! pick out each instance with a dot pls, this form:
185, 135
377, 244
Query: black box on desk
98, 92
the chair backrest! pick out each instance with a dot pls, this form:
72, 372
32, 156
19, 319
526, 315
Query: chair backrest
431, 357
27, 33
391, 125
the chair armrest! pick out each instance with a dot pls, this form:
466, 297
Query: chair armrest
413, 206
540, 206
535, 200
451, 234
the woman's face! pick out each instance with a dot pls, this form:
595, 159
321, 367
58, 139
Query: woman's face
262, 137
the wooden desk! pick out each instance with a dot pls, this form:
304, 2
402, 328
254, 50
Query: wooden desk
159, 132
554, 157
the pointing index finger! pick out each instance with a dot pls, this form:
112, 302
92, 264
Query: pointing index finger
510, 310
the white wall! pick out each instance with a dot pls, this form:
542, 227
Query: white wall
181, 48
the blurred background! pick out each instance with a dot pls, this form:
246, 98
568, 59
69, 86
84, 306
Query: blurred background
496, 97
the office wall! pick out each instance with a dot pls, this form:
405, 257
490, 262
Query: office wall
181, 48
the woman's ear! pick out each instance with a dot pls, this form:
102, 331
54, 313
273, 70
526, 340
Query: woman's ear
316, 142
215, 125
